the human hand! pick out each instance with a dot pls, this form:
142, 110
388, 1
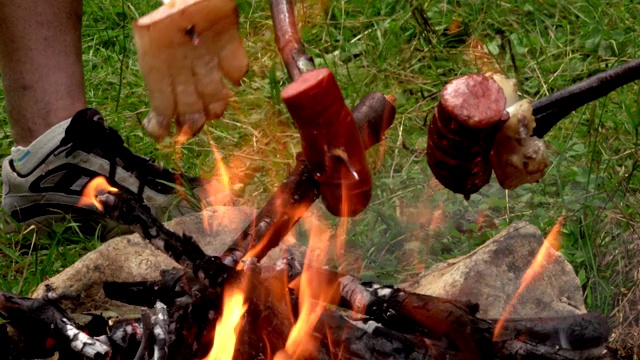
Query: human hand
184, 47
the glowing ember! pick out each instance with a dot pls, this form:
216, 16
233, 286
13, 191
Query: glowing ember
547, 254
227, 329
91, 191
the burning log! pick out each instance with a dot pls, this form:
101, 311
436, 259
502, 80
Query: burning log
397, 323
348, 335
184, 47
392, 323
410, 313
394, 310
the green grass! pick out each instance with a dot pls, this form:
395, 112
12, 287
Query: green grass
378, 45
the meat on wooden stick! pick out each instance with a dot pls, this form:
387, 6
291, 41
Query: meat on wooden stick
373, 115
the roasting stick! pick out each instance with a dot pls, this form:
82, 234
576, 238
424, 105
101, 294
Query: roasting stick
288, 40
374, 114
471, 135
549, 110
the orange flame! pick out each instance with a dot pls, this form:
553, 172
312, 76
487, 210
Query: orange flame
290, 210
224, 340
316, 288
222, 168
343, 225
92, 190
211, 188
547, 254
315, 293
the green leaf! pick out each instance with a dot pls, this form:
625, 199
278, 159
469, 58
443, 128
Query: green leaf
593, 44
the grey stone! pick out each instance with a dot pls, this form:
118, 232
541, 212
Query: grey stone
491, 275
131, 258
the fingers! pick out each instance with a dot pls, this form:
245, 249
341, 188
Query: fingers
190, 116
184, 50
208, 79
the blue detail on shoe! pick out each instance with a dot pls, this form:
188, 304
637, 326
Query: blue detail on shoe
24, 156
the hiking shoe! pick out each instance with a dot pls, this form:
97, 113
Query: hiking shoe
43, 183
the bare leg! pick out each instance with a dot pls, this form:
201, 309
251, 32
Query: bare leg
41, 64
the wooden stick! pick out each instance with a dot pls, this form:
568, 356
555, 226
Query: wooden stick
455, 321
290, 46
374, 115
549, 110
127, 209
41, 322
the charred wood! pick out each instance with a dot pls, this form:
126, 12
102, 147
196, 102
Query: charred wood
43, 327
528, 350
378, 322
128, 209
147, 335
577, 332
454, 322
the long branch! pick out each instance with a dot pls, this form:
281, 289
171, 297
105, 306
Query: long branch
290, 46
549, 110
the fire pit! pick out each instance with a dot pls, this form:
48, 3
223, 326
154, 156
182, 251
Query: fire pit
232, 307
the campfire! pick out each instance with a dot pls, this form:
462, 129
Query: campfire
230, 306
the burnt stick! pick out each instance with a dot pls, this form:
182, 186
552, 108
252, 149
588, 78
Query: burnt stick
577, 332
374, 114
549, 110
522, 350
147, 335
160, 332
433, 317
128, 209
44, 322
